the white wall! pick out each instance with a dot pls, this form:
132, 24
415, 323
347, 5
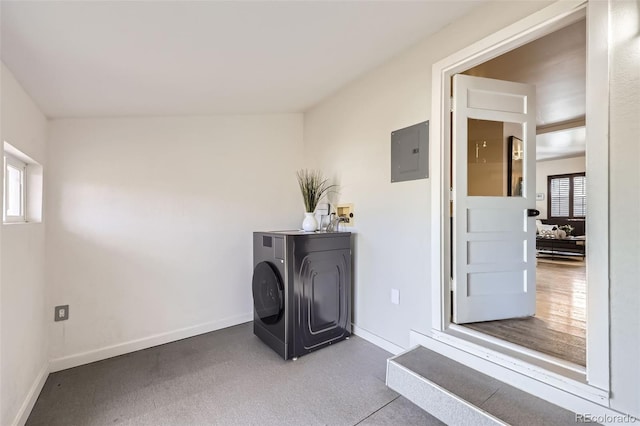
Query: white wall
149, 220
348, 136
24, 337
624, 206
548, 168
150, 224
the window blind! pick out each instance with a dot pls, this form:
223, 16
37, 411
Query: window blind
579, 196
560, 188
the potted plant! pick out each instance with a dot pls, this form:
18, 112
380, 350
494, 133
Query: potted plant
313, 187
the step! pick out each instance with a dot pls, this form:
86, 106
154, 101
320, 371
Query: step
459, 395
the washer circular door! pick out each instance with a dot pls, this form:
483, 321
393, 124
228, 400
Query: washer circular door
268, 293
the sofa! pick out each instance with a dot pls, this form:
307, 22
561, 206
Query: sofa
573, 245
578, 225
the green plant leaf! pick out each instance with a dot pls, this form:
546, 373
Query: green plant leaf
313, 187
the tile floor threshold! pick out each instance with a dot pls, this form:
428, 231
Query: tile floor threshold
457, 394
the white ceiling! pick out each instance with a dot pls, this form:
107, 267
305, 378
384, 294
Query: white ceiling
561, 144
117, 58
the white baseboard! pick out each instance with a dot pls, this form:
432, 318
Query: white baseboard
75, 360
32, 397
377, 340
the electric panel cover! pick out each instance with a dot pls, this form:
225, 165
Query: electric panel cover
410, 153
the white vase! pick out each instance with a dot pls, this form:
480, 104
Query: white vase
309, 224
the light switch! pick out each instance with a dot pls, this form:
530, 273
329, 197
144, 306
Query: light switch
395, 296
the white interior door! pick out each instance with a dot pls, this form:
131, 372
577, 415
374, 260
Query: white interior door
494, 130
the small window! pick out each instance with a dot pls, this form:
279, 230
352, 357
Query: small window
23, 184
567, 196
15, 177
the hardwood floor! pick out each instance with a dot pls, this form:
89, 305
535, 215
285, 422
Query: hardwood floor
559, 327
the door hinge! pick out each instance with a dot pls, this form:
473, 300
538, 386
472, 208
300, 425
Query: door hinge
451, 104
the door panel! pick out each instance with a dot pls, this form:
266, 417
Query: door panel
323, 301
482, 220
479, 252
493, 186
494, 101
495, 283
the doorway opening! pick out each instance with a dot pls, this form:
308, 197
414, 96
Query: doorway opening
556, 65
593, 382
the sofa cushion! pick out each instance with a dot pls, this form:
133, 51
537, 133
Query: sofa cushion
577, 224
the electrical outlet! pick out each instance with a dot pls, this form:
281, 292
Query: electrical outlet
395, 296
61, 313
345, 213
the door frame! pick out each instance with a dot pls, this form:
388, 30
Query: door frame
593, 382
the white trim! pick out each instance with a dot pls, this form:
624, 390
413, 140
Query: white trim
555, 376
27, 405
146, 342
17, 164
551, 363
536, 386
597, 167
556, 16
377, 340
15, 152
